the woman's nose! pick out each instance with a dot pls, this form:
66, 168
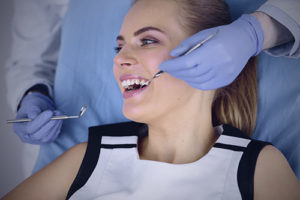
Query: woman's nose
125, 58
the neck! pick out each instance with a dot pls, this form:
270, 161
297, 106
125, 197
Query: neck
183, 136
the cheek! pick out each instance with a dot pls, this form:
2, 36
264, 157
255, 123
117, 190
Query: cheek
152, 59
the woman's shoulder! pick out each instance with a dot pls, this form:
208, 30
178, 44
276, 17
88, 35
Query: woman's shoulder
78, 148
64, 169
274, 178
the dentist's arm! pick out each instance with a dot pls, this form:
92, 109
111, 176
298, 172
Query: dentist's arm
31, 67
220, 60
280, 16
274, 32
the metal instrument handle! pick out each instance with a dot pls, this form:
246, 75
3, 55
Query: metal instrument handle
52, 118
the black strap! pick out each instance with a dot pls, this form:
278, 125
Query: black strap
229, 147
117, 146
119, 129
234, 132
246, 168
88, 165
92, 153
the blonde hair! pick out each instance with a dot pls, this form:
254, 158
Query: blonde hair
235, 104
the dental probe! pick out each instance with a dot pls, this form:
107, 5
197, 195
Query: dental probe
81, 112
186, 53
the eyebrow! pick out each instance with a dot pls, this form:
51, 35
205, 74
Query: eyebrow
142, 30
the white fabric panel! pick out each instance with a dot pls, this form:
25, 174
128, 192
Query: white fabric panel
120, 174
119, 140
233, 141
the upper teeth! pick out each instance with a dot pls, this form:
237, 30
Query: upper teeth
131, 82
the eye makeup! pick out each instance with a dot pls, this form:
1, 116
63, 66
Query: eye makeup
145, 41
148, 41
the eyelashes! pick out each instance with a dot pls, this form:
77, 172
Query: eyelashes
144, 42
117, 49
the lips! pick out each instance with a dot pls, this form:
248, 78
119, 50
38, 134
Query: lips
133, 85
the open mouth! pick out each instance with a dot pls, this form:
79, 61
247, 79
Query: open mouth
134, 84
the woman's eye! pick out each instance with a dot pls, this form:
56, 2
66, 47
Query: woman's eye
148, 41
117, 49
144, 42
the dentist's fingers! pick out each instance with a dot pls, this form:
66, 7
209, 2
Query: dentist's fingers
49, 131
41, 120
179, 63
53, 133
219, 60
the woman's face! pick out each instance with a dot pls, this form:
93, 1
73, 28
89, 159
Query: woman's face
149, 32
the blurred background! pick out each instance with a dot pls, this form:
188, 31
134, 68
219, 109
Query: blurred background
11, 149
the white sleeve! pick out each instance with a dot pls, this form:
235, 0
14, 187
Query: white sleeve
36, 29
287, 12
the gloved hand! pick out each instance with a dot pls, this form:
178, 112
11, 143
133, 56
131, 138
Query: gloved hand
220, 60
41, 129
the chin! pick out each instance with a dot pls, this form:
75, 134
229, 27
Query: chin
134, 114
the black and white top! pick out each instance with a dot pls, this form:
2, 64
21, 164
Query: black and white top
111, 168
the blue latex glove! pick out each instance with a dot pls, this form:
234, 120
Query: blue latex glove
41, 129
220, 60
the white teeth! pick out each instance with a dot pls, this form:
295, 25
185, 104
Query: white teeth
130, 82
124, 84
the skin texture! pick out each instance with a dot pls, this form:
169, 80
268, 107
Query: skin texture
186, 134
